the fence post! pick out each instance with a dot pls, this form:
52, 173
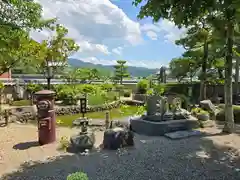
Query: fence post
107, 120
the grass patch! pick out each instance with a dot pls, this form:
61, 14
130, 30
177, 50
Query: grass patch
97, 99
66, 120
21, 103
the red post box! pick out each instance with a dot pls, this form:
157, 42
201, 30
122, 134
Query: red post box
46, 117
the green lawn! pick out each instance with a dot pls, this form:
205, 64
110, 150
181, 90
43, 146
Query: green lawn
67, 120
97, 99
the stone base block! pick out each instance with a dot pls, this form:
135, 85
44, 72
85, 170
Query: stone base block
151, 128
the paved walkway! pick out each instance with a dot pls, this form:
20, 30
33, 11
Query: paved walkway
18, 144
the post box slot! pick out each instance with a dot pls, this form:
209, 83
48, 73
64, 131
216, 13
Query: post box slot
45, 122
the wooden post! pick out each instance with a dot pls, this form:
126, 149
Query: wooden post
107, 120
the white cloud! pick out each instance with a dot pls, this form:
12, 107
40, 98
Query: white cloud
86, 47
150, 27
165, 27
152, 35
117, 50
171, 31
92, 23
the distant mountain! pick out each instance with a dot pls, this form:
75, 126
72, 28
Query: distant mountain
134, 71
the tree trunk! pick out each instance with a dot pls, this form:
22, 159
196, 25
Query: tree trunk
229, 118
48, 83
1, 91
237, 75
204, 72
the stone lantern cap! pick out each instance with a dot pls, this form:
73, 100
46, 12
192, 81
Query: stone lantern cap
45, 93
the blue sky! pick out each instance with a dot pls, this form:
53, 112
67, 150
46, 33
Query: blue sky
108, 30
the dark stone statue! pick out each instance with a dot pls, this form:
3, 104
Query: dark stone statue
118, 137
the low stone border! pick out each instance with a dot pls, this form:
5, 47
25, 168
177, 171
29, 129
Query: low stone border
28, 113
68, 110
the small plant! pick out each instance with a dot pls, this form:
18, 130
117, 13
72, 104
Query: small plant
150, 92
203, 112
140, 110
64, 143
59, 122
124, 108
142, 86
159, 89
77, 176
195, 111
126, 93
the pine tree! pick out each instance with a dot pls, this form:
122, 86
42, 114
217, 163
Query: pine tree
120, 71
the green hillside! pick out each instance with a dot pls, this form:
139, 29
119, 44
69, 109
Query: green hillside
134, 71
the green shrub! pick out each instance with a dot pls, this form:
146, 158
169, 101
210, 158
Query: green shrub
181, 88
142, 86
68, 96
150, 92
88, 88
185, 101
126, 93
21, 103
106, 87
32, 88
236, 112
77, 176
159, 89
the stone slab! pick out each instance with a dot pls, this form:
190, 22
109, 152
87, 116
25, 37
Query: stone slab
151, 128
183, 134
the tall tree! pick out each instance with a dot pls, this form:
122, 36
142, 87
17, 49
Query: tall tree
120, 71
56, 52
199, 37
17, 18
181, 68
187, 13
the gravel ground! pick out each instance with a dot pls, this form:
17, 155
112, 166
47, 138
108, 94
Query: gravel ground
213, 157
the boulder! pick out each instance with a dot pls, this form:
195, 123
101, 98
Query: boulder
122, 123
208, 106
82, 141
117, 138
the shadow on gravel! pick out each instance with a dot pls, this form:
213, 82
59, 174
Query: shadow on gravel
220, 125
151, 158
26, 145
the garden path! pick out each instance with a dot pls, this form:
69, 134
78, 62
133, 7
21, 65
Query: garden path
215, 156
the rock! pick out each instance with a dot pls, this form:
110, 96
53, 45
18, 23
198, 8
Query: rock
80, 121
117, 138
132, 102
81, 142
203, 117
208, 105
207, 124
123, 123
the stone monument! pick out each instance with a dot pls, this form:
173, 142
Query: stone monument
163, 116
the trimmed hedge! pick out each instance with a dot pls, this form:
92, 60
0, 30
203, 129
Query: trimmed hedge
236, 112
182, 89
